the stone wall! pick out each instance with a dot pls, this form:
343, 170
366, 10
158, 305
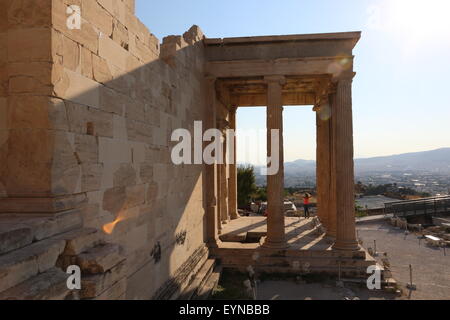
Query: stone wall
89, 117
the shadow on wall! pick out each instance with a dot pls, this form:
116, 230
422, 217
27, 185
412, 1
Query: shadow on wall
110, 146
157, 207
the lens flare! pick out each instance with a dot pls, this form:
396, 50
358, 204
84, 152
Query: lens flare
109, 227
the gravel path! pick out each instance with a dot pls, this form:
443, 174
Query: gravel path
431, 269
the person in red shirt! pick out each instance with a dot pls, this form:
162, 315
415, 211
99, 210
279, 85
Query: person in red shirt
306, 199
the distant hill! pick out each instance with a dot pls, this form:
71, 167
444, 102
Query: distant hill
437, 161
434, 161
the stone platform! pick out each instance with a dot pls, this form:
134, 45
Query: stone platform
309, 249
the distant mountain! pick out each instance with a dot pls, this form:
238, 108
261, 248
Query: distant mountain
437, 161
433, 161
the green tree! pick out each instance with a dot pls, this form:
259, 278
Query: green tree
261, 194
246, 185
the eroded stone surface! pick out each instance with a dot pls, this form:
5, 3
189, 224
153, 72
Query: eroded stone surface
100, 259
14, 236
50, 285
22, 264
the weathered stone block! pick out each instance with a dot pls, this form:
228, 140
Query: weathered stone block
114, 151
86, 36
114, 200
30, 77
71, 54
97, 16
26, 112
65, 170
81, 240
33, 44
116, 292
125, 176
135, 196
146, 172
86, 63
14, 236
25, 175
102, 73
113, 101
117, 9
76, 88
27, 13
120, 127
80, 116
140, 50
139, 131
91, 176
113, 53
120, 35
100, 259
86, 148
94, 285
22, 264
50, 285
135, 110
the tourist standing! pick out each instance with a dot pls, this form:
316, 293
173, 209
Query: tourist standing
306, 199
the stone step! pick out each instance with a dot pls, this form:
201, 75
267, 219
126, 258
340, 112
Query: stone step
22, 264
349, 272
93, 286
14, 236
50, 285
116, 292
210, 284
199, 280
100, 259
41, 227
81, 240
244, 251
294, 261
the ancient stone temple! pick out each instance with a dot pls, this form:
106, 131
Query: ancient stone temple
86, 176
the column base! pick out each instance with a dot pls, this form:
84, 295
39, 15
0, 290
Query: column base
234, 216
275, 245
213, 243
346, 245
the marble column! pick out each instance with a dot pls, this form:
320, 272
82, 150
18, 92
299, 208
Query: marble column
232, 183
224, 183
323, 170
344, 168
276, 235
211, 185
332, 205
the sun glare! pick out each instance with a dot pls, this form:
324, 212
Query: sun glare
420, 19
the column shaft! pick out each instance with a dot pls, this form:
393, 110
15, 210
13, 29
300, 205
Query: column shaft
344, 168
323, 171
211, 186
224, 185
276, 237
232, 184
332, 204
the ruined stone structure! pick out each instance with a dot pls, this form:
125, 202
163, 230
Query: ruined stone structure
86, 176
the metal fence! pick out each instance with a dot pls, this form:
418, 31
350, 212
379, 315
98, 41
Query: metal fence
432, 206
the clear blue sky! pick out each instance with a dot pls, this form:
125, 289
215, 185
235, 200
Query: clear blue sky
401, 92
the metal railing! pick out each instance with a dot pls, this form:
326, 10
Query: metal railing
432, 206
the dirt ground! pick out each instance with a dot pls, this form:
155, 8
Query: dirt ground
431, 268
284, 287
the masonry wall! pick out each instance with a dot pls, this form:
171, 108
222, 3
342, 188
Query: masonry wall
95, 109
